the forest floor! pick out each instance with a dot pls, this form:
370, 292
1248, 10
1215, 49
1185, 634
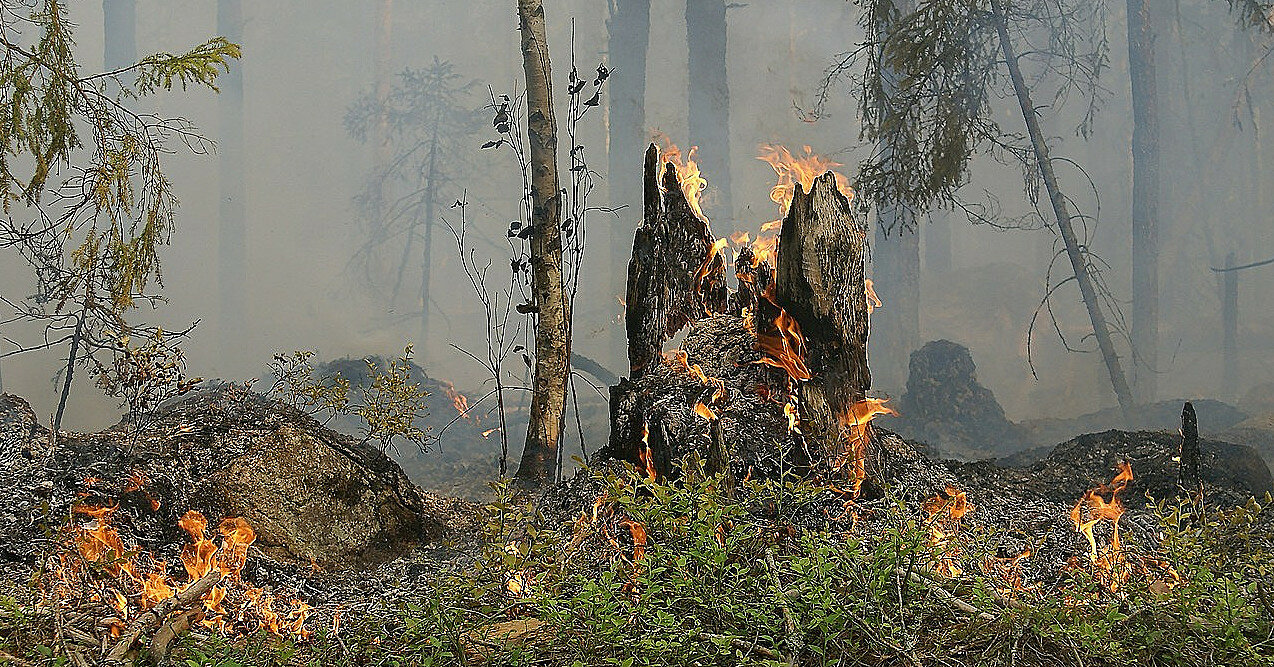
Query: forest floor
699, 573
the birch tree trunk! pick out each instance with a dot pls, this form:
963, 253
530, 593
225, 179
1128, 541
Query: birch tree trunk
552, 356
629, 28
709, 102
1145, 199
1058, 202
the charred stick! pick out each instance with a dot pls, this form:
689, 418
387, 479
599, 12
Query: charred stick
151, 620
1188, 480
161, 644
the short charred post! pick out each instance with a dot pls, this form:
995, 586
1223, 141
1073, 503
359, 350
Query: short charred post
1188, 481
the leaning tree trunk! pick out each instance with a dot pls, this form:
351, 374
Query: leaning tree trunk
1145, 198
552, 362
629, 28
1058, 201
709, 100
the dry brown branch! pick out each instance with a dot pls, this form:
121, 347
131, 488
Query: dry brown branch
151, 620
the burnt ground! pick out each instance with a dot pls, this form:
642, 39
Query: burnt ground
384, 541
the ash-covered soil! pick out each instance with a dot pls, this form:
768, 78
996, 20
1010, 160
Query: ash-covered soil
341, 526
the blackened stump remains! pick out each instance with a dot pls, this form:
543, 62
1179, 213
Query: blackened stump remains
809, 316
674, 278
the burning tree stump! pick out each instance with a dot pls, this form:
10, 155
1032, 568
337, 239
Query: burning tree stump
820, 284
777, 370
676, 275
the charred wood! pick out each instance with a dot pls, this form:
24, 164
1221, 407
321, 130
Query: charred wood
675, 276
1188, 480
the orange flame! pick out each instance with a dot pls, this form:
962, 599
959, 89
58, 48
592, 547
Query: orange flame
857, 437
705, 411
945, 511
804, 169
692, 181
647, 457
873, 301
787, 349
125, 579
459, 400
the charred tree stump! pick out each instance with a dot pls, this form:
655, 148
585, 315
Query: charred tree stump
820, 283
771, 379
676, 276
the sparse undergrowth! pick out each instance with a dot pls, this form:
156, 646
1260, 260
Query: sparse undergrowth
655, 574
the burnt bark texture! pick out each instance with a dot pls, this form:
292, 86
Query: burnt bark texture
672, 279
629, 29
232, 240
709, 101
552, 355
1057, 200
819, 282
1145, 198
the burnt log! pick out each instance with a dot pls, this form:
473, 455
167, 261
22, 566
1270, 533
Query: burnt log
676, 275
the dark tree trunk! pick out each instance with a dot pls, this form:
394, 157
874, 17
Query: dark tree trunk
709, 108
629, 28
71, 358
232, 243
670, 267
552, 353
895, 260
431, 198
1145, 198
1188, 481
895, 268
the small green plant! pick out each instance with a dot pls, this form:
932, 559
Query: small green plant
389, 404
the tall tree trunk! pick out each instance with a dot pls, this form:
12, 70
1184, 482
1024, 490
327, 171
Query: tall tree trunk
709, 108
552, 356
895, 271
431, 197
629, 28
1058, 201
232, 246
1145, 198
895, 328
